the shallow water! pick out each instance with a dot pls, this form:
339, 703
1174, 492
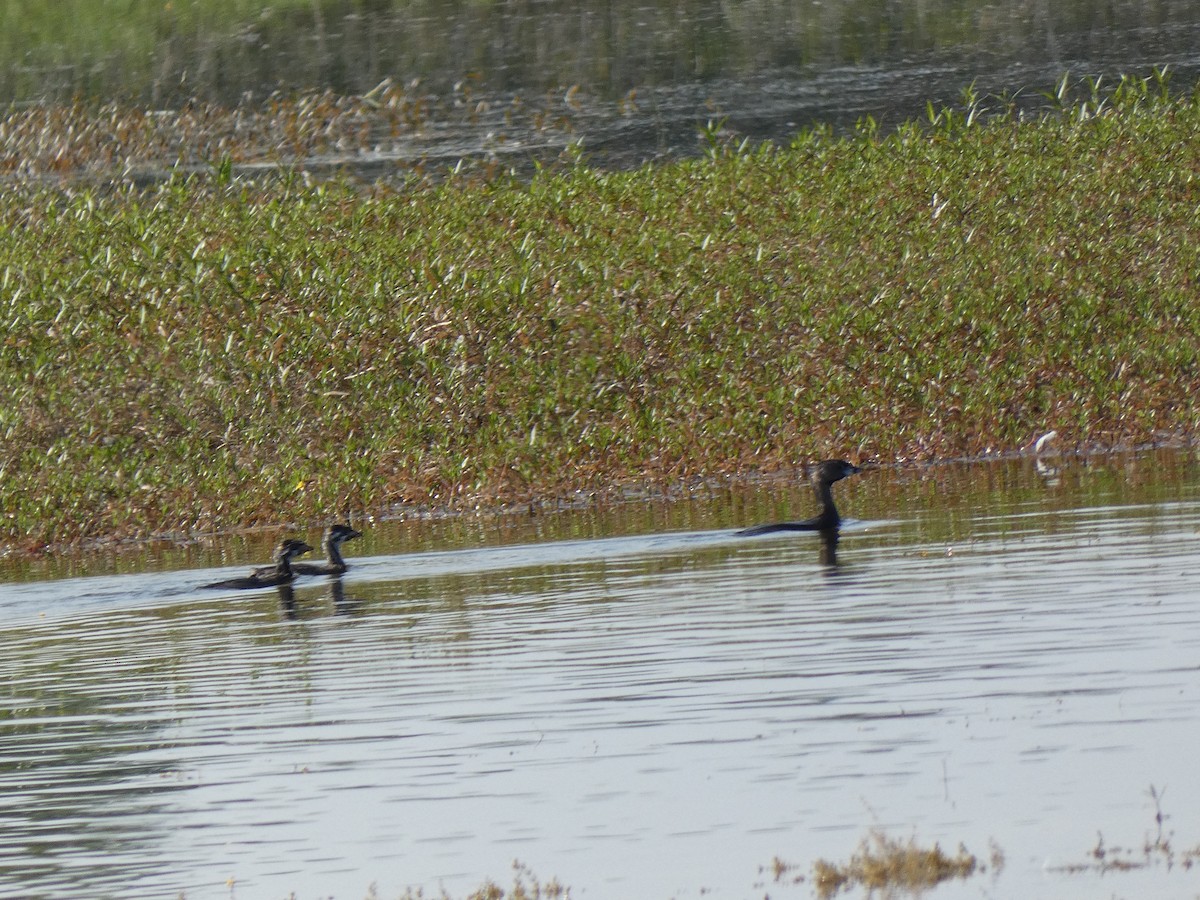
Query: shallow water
627, 82
633, 700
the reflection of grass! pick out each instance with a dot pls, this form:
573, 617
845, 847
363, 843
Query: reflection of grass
166, 52
891, 866
209, 353
123, 41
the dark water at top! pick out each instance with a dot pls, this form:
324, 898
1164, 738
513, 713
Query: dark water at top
634, 700
631, 81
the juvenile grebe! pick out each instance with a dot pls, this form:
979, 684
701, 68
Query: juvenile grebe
823, 478
280, 573
334, 537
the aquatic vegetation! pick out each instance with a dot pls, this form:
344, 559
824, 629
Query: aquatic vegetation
886, 864
525, 886
211, 351
1154, 850
395, 129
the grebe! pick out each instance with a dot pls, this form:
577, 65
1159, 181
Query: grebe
826, 473
334, 537
280, 573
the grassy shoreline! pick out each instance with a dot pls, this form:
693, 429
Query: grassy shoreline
211, 353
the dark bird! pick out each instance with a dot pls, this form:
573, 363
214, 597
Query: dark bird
334, 537
280, 573
827, 520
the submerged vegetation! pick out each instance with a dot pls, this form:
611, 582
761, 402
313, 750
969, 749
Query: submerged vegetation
212, 351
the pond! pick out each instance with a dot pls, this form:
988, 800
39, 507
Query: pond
628, 82
632, 699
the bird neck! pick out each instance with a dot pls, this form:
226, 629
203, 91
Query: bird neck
828, 515
334, 554
824, 491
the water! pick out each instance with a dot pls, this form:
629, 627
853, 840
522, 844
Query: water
628, 81
1005, 657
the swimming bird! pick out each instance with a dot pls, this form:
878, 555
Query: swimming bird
280, 573
332, 540
823, 479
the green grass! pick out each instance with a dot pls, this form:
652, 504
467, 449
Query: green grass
210, 353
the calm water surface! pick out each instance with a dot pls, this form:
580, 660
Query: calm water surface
628, 80
635, 701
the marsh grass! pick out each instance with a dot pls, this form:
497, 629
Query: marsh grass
525, 886
892, 867
213, 352
393, 129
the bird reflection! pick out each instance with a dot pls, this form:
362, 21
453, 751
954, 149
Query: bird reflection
287, 601
343, 605
829, 542
336, 594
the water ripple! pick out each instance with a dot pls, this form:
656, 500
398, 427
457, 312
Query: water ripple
642, 715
